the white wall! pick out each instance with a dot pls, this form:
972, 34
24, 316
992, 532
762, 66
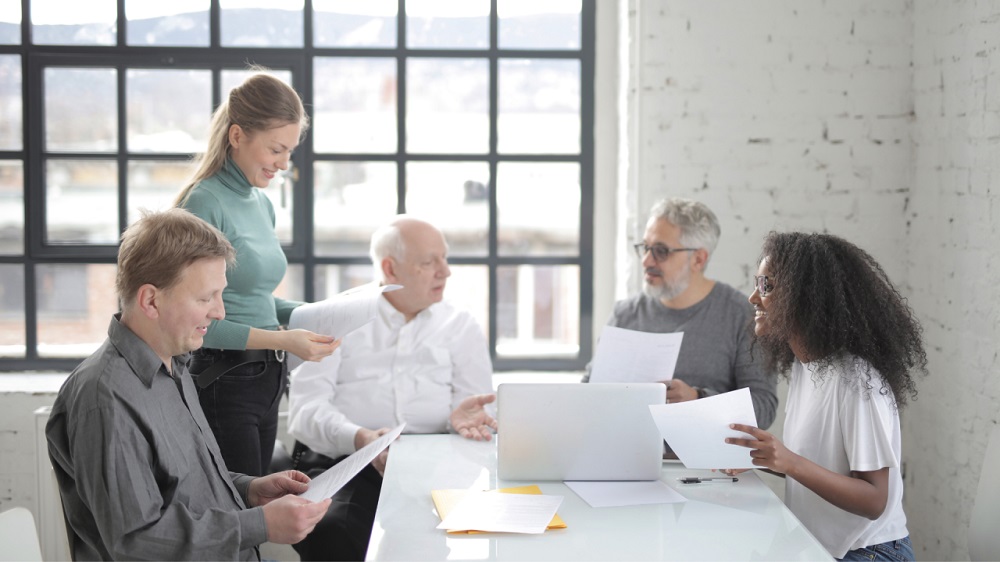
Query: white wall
954, 263
875, 121
778, 115
20, 396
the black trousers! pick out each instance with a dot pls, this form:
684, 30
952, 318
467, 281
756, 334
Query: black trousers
242, 408
345, 530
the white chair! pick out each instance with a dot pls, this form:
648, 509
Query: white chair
18, 536
984, 540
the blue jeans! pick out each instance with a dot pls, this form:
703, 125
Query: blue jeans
241, 407
890, 551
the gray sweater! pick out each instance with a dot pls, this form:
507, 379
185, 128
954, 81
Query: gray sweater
715, 354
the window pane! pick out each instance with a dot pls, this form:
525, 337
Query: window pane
81, 202
11, 207
154, 184
72, 22
538, 24
538, 209
292, 287
261, 23
279, 191
468, 289
454, 197
538, 311
355, 105
182, 23
10, 22
539, 106
447, 105
11, 109
12, 327
81, 112
443, 24
168, 109
232, 78
333, 279
351, 200
354, 23
75, 304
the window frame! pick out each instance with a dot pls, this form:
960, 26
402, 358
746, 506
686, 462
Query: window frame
122, 57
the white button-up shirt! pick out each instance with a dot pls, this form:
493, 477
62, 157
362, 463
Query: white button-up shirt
388, 372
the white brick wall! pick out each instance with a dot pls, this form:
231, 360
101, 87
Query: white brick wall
875, 121
779, 115
954, 263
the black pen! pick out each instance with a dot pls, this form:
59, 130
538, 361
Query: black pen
697, 480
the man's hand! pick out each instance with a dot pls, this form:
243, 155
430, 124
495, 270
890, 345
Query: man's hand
365, 436
680, 391
470, 419
266, 489
290, 518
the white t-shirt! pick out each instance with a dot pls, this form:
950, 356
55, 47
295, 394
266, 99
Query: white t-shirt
832, 420
387, 372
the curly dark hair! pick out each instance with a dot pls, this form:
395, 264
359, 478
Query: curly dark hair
835, 299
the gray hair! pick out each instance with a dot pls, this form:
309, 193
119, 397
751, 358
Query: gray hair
387, 242
698, 224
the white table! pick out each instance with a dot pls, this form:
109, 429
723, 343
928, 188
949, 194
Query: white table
720, 521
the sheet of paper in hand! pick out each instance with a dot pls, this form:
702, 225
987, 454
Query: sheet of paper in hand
331, 481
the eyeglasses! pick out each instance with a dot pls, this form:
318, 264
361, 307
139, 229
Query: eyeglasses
659, 251
763, 284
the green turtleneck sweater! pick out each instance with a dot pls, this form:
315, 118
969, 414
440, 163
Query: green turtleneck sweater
246, 217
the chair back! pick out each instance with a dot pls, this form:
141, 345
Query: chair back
18, 537
984, 538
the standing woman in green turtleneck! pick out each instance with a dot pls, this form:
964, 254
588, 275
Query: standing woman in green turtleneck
241, 372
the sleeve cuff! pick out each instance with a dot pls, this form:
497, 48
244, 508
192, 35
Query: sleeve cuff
253, 528
344, 439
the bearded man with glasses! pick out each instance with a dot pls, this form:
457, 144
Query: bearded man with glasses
715, 357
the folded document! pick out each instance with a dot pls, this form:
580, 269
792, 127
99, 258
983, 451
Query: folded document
445, 502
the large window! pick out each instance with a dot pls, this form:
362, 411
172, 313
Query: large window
474, 114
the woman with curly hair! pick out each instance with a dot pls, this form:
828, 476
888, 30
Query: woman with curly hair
827, 313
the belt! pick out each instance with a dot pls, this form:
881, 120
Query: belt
232, 359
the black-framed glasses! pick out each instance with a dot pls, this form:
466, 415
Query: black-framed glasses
763, 284
659, 251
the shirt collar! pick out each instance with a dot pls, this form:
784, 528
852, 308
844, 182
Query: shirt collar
141, 358
396, 319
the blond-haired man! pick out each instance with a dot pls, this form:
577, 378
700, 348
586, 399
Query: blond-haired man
139, 471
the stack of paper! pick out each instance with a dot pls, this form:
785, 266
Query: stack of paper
514, 510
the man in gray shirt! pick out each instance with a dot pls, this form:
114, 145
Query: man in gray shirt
139, 471
677, 297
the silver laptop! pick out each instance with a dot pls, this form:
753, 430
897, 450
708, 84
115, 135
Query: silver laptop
576, 431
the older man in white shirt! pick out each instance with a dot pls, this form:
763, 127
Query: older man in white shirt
421, 361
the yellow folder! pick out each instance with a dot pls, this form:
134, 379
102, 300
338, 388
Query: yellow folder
445, 500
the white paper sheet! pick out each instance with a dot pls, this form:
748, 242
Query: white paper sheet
630, 356
328, 483
612, 494
502, 513
697, 429
338, 315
